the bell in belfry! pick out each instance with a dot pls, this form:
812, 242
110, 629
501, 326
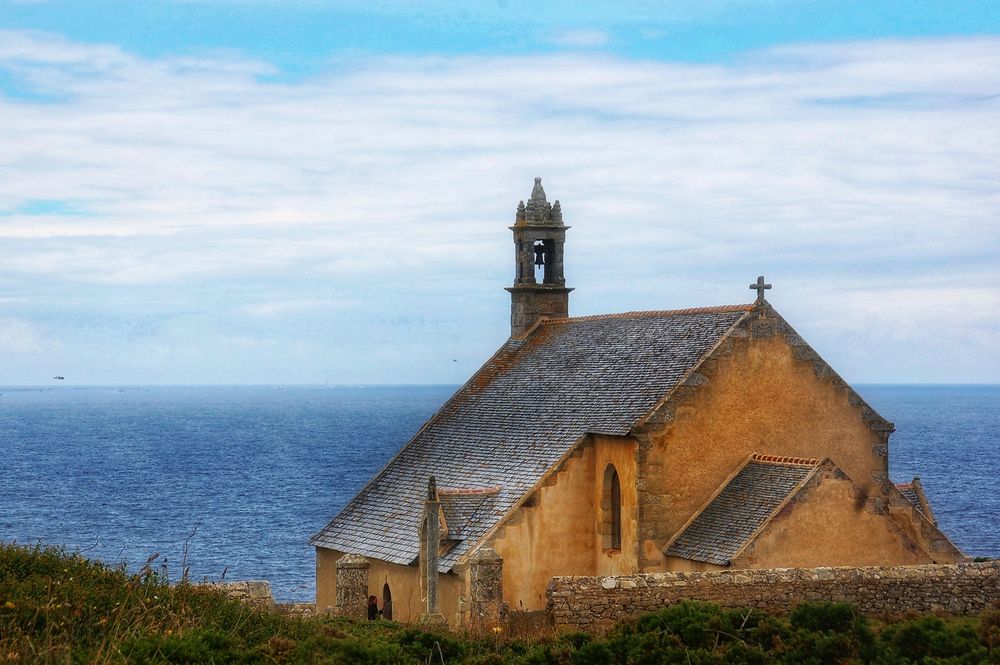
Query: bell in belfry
539, 254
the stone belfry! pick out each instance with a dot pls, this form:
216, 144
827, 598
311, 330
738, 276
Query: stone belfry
539, 239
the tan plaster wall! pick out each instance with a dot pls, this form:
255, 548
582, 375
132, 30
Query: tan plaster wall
404, 583
830, 524
921, 531
559, 534
326, 579
620, 452
407, 600
754, 396
678, 565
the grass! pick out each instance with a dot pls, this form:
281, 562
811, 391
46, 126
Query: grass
58, 607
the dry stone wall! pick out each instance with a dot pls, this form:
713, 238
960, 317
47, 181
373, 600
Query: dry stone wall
965, 588
352, 586
252, 592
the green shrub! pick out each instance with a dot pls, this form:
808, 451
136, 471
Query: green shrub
195, 646
826, 617
696, 625
929, 639
592, 653
428, 646
577, 639
825, 631
989, 629
741, 653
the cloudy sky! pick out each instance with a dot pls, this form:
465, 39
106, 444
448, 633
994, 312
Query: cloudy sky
258, 191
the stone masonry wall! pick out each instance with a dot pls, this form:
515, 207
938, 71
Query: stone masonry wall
256, 593
965, 588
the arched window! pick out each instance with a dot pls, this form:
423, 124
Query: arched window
386, 602
611, 509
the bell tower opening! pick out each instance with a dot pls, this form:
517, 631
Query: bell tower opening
539, 289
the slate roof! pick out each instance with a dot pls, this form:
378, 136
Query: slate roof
742, 507
461, 507
519, 414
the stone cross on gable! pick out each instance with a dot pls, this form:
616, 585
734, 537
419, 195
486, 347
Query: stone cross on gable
760, 287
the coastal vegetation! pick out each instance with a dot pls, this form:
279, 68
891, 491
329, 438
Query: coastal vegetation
59, 607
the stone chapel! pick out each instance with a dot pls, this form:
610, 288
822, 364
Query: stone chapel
682, 440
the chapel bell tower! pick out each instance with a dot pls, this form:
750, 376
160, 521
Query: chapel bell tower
539, 290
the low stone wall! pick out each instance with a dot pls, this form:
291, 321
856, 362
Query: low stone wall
256, 593
301, 610
965, 588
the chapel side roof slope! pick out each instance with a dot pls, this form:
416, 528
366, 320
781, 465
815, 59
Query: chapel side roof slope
520, 414
746, 502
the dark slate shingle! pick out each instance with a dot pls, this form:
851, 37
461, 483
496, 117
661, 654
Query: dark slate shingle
461, 508
520, 413
734, 515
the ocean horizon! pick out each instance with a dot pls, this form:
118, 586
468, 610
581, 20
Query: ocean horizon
239, 476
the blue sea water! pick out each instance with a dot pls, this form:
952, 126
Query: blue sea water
123, 473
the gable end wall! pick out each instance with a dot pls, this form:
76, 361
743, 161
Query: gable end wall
761, 390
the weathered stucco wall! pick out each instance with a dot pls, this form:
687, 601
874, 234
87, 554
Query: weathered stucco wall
831, 523
558, 531
758, 392
404, 584
620, 452
589, 602
921, 530
326, 579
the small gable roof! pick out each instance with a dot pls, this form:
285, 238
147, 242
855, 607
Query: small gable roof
519, 415
746, 502
461, 507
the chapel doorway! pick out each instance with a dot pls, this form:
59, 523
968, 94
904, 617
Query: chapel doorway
386, 602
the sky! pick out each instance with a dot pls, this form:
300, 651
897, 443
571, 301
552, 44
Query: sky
265, 192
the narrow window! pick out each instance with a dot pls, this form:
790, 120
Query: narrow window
611, 509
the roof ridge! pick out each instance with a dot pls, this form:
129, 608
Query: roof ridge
460, 491
782, 459
718, 309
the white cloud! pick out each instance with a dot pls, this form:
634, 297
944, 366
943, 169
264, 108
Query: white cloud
292, 307
911, 331
17, 336
581, 38
868, 162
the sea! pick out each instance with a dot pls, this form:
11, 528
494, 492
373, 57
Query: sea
229, 482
